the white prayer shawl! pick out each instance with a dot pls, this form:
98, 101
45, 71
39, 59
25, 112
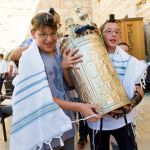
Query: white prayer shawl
37, 119
135, 71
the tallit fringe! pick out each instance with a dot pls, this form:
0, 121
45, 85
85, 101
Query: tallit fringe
48, 142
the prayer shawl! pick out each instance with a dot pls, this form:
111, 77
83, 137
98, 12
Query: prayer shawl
37, 119
135, 70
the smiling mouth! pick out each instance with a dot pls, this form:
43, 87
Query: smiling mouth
113, 41
49, 45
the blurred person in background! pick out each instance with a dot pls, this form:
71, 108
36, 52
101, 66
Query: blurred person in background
3, 71
12, 69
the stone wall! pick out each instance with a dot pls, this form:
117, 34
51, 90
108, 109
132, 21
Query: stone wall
66, 8
16, 14
121, 8
99, 10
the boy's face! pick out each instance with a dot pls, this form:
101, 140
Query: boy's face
46, 39
111, 35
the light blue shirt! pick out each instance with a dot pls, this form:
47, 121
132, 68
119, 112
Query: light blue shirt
57, 85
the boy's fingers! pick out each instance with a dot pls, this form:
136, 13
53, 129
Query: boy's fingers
77, 56
73, 52
66, 52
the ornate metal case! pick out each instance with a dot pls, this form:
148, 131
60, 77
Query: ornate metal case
96, 80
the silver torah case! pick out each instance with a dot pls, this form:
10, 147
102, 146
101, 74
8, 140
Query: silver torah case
96, 80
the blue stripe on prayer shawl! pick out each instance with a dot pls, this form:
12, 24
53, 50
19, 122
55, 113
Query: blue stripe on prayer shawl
33, 93
120, 61
121, 74
30, 86
120, 67
35, 115
31, 76
48, 105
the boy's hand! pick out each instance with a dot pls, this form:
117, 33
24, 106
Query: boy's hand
88, 110
121, 111
71, 58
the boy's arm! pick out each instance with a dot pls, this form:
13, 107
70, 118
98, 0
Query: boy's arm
67, 78
85, 109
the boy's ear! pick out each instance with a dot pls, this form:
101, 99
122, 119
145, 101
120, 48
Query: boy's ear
33, 34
